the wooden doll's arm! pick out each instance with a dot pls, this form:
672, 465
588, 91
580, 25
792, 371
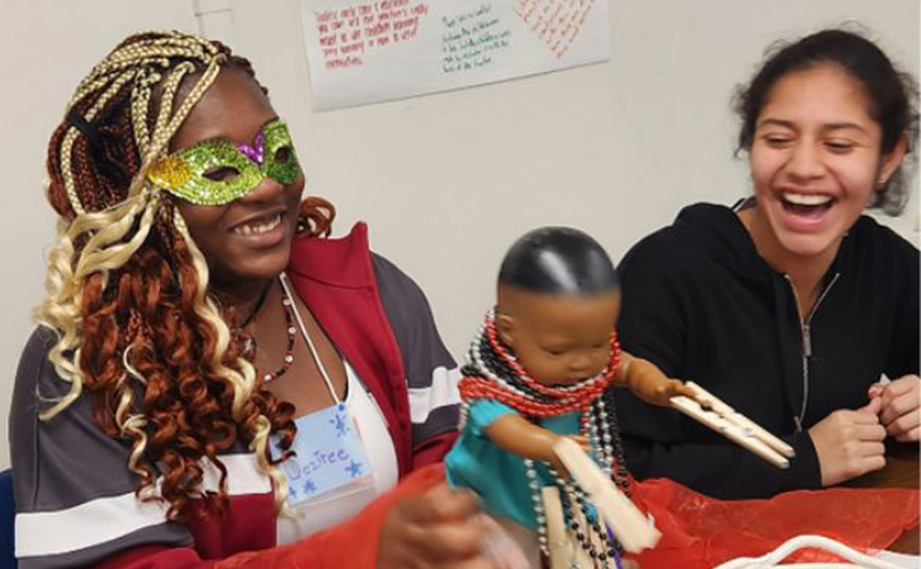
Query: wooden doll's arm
648, 383
515, 434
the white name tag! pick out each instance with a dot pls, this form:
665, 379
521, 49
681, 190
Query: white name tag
329, 456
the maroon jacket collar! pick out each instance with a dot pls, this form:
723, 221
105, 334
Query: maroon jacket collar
335, 279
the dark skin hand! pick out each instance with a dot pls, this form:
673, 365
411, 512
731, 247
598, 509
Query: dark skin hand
437, 529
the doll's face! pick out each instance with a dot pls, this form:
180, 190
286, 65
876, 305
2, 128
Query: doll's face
559, 340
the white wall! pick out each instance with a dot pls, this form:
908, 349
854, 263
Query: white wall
446, 181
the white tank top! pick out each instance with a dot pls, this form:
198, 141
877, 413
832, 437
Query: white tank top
337, 506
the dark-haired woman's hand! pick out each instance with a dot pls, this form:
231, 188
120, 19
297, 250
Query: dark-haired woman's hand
901, 407
849, 443
440, 528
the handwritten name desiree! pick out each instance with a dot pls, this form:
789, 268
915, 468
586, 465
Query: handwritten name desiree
298, 466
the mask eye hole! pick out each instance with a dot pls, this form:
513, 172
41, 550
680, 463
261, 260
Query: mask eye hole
222, 174
282, 155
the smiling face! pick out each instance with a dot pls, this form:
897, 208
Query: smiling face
815, 161
559, 340
249, 239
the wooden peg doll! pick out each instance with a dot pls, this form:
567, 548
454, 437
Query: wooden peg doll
538, 371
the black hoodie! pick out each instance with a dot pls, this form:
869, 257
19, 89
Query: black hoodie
699, 302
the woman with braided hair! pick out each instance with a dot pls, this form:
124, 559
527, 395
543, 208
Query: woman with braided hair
198, 336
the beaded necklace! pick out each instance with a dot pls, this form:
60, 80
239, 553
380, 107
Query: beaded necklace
493, 372
288, 360
249, 344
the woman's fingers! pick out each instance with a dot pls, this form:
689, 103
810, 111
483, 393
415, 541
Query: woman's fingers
436, 529
900, 402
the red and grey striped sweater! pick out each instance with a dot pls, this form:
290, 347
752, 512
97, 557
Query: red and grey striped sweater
74, 494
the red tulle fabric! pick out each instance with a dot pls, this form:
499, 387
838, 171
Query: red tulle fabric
699, 532
353, 544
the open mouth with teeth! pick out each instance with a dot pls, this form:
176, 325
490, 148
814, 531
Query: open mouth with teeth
259, 226
806, 205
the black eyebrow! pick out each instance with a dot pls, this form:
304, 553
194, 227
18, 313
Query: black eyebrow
825, 127
845, 126
777, 122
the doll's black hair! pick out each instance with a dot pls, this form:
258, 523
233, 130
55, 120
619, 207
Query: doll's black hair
559, 260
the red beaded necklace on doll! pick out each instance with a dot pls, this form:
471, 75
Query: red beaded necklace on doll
556, 401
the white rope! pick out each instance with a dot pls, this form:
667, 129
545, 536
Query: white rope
283, 279
773, 558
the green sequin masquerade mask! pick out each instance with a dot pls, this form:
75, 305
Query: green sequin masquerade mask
217, 172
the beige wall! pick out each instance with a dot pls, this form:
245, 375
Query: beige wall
446, 181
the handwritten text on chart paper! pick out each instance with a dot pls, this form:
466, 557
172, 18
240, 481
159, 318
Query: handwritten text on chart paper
347, 34
471, 39
367, 51
556, 22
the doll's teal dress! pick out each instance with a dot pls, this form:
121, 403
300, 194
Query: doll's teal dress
499, 476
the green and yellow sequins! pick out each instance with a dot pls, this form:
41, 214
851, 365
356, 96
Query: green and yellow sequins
282, 165
217, 172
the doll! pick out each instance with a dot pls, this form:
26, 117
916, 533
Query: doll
538, 371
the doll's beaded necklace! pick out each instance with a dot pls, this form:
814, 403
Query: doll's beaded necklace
494, 373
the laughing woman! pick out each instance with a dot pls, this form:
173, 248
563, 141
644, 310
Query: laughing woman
791, 305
